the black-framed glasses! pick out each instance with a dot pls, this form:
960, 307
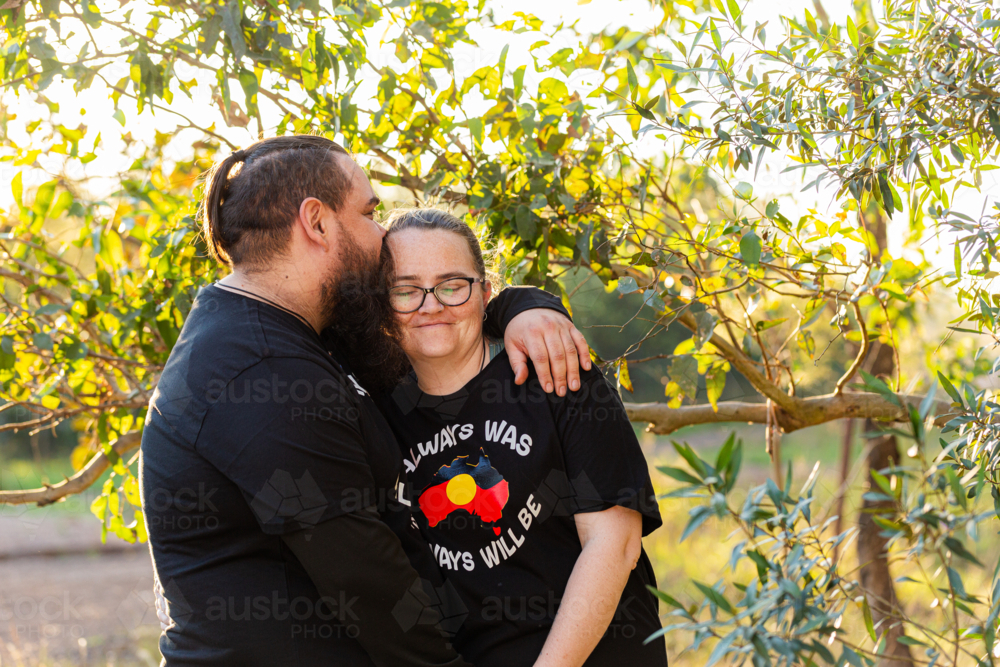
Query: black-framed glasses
451, 292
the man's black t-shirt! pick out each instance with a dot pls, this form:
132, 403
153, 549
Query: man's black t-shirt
495, 473
254, 433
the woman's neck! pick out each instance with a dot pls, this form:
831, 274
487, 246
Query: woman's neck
441, 376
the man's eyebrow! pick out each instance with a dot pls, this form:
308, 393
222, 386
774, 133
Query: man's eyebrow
374, 201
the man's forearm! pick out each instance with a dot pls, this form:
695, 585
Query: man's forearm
511, 302
358, 558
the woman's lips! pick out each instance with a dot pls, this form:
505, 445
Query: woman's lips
432, 324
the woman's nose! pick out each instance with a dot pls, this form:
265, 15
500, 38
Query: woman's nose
431, 304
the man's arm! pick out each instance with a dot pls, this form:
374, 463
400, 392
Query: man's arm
534, 324
357, 561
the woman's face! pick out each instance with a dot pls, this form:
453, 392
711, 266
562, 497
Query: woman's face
424, 258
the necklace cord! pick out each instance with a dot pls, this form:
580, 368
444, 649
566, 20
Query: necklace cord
260, 297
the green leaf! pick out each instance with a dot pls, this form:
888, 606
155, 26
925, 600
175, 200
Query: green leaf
679, 475
950, 388
119, 116
665, 598
876, 385
43, 198
232, 15
994, 122
518, 81
750, 248
959, 550
743, 191
852, 32
715, 596
955, 580
715, 384
761, 562
692, 459
527, 223
42, 341
248, 81
627, 285
734, 10
17, 189
724, 455
683, 370
698, 516
956, 485
633, 80
624, 381
867, 612
503, 61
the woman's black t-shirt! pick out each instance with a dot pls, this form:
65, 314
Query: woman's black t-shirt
495, 473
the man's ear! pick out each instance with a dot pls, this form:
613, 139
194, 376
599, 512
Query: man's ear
315, 221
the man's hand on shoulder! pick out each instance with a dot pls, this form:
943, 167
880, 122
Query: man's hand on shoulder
556, 349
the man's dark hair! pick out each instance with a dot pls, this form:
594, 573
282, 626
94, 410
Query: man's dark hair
248, 211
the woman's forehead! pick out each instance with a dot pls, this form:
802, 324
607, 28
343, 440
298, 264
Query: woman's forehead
434, 250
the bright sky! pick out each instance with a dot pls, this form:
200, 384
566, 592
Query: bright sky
635, 14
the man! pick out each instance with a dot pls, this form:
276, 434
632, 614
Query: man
269, 479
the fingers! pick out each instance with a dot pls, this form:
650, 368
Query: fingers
572, 361
557, 360
161, 607
582, 349
538, 350
518, 362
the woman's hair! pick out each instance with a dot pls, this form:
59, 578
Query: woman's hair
248, 211
434, 218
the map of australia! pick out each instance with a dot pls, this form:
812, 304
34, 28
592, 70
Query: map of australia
477, 489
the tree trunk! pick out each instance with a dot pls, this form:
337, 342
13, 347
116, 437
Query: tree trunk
872, 553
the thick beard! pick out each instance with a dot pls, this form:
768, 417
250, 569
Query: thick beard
361, 322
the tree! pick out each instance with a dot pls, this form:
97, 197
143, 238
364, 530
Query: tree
890, 117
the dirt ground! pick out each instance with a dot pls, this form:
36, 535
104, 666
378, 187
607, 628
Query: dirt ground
66, 599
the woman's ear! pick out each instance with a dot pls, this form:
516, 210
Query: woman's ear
487, 292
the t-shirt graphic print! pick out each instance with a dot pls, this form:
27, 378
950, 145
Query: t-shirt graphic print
495, 473
475, 488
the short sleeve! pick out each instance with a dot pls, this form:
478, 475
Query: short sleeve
512, 301
605, 465
287, 432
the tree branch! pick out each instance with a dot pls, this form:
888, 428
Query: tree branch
744, 365
807, 412
75, 484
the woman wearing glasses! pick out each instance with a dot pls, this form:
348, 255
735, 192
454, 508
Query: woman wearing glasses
534, 504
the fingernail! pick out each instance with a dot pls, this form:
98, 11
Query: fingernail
548, 388
574, 385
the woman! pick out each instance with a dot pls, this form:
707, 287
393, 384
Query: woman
534, 505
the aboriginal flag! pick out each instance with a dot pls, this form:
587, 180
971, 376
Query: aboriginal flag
478, 489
